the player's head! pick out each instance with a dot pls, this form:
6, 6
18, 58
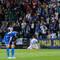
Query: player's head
8, 30
15, 37
33, 36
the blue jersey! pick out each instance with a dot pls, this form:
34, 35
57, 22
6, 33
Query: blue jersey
8, 36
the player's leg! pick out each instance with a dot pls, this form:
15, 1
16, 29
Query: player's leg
7, 49
30, 47
12, 50
7, 46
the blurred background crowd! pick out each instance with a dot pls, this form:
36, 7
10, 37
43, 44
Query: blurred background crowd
30, 17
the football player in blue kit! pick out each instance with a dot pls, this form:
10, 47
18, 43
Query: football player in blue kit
9, 39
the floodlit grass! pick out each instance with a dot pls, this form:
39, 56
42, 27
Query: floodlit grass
24, 54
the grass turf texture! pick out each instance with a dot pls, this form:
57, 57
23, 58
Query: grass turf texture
23, 54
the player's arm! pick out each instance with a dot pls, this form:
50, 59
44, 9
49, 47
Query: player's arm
10, 40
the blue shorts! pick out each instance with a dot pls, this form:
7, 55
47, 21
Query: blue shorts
7, 41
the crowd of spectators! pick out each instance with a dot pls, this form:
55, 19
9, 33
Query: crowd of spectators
39, 17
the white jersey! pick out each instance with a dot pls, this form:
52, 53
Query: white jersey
33, 44
34, 41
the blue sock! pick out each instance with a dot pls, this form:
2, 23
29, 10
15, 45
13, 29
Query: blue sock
12, 52
8, 52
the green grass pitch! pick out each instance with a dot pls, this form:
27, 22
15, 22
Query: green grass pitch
24, 54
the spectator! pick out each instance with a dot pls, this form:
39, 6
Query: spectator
37, 29
53, 35
43, 29
59, 34
30, 17
56, 15
24, 27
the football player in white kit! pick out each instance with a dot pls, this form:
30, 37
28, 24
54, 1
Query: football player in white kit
33, 43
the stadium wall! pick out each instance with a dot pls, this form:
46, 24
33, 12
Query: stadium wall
49, 43
44, 43
23, 43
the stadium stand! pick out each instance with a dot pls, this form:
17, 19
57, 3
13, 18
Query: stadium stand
29, 17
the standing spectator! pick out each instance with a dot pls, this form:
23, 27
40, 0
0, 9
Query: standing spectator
48, 34
51, 27
3, 27
32, 28
34, 5
15, 27
59, 23
28, 15
37, 29
10, 15
6, 15
43, 29
24, 27
58, 34
56, 15
28, 31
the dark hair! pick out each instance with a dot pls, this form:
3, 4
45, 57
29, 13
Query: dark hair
34, 36
8, 30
